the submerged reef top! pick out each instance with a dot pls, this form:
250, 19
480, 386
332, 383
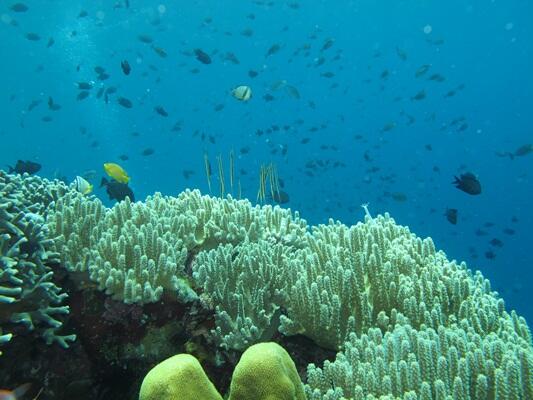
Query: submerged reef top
407, 323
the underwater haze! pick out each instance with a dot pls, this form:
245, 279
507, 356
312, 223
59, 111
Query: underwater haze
406, 106
357, 136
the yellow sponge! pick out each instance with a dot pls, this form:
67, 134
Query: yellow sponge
180, 377
266, 372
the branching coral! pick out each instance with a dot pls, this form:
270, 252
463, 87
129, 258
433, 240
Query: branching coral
27, 294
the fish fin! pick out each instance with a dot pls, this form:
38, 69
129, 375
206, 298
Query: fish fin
21, 390
104, 182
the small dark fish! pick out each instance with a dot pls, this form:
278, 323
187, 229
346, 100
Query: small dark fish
111, 90
202, 56
280, 197
116, 190
268, 97
123, 157
22, 167
273, 50
19, 7
53, 106
125, 65
451, 215
100, 93
148, 152
82, 95
85, 86
145, 39
509, 231
99, 70
160, 51
422, 70
490, 255
103, 76
83, 14
34, 104
524, 150
420, 95
47, 118
32, 36
219, 107
232, 58
327, 74
51, 42
252, 73
161, 111
401, 54
187, 173
496, 242
437, 78
124, 102
327, 44
468, 183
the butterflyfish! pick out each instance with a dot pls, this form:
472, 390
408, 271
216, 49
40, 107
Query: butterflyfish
242, 93
82, 185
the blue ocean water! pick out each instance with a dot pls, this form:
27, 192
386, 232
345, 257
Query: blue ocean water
354, 134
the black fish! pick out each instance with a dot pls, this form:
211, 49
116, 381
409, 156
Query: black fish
33, 36
280, 197
53, 106
148, 152
19, 7
82, 95
202, 56
468, 183
161, 111
451, 215
125, 65
124, 102
21, 167
116, 190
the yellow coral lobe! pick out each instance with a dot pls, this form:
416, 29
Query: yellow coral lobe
178, 377
116, 172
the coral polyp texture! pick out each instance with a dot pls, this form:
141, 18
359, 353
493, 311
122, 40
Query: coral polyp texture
407, 323
29, 300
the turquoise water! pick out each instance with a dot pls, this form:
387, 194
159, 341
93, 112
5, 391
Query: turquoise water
376, 50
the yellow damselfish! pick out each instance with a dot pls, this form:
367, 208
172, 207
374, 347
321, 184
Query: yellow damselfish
116, 172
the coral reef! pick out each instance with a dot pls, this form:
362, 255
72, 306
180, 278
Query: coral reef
29, 299
405, 321
136, 251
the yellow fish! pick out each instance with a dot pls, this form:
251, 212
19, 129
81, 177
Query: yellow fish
116, 172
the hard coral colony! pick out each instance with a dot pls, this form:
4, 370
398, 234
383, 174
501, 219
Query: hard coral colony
406, 322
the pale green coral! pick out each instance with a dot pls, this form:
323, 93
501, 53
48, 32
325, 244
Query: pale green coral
448, 363
244, 282
410, 324
136, 251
